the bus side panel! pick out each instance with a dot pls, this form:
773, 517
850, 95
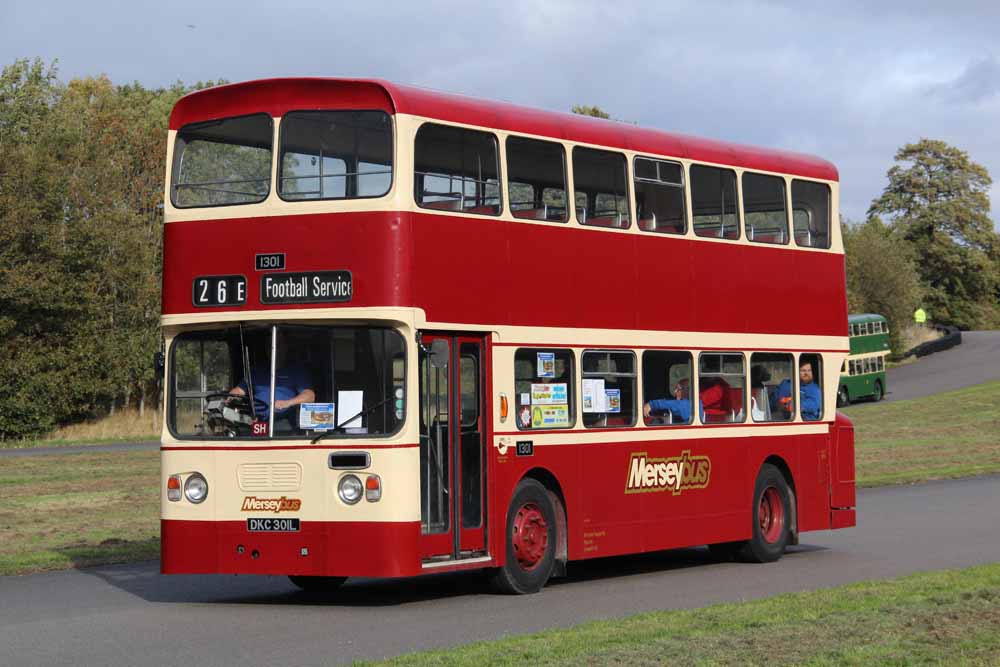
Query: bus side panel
712, 508
508, 469
843, 493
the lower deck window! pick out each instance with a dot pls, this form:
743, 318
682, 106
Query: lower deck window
608, 392
772, 384
252, 381
543, 388
666, 388
721, 385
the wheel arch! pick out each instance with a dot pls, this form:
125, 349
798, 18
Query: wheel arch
545, 477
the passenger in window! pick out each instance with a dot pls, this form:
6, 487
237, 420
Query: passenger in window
810, 397
678, 408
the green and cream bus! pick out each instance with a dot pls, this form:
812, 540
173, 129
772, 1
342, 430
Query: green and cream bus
863, 373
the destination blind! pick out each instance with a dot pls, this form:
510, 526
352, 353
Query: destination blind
307, 287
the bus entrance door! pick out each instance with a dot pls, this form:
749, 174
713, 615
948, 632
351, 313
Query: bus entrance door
452, 465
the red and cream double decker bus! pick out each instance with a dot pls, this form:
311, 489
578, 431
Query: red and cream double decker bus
413, 332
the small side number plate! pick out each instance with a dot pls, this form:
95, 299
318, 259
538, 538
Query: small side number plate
273, 525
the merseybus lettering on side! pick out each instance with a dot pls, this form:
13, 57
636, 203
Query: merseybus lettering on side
414, 332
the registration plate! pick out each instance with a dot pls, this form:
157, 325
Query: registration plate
273, 525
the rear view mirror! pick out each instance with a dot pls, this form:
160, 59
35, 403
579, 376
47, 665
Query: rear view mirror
159, 361
439, 353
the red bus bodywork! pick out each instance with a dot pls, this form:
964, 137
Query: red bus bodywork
460, 269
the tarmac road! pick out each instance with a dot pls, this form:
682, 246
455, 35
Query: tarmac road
975, 361
130, 615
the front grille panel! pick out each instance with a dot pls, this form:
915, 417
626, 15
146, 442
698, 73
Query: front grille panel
270, 476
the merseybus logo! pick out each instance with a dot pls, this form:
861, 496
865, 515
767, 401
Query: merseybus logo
670, 474
276, 505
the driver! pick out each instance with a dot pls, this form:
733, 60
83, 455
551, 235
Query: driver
291, 387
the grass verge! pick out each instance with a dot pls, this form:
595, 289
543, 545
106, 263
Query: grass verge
938, 618
73, 511
955, 434
123, 426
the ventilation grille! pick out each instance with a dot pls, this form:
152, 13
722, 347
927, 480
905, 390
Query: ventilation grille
270, 476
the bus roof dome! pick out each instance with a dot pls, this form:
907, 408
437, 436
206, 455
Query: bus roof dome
278, 96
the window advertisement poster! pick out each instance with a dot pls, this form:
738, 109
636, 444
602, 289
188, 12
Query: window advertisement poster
549, 394
546, 364
550, 416
594, 398
316, 416
613, 400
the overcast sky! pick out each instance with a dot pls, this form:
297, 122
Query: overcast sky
846, 81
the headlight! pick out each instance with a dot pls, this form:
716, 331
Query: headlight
350, 489
195, 488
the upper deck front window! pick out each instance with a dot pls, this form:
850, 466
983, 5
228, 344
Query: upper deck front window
222, 162
335, 155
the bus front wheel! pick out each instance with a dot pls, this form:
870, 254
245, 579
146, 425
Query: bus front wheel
531, 541
877, 396
772, 513
317, 584
843, 399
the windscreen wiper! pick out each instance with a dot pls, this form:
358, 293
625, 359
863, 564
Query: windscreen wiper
363, 413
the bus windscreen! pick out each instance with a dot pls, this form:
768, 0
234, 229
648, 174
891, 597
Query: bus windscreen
324, 380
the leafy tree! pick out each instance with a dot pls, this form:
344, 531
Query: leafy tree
881, 275
937, 200
81, 190
594, 111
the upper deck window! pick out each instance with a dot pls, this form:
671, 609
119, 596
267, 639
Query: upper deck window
456, 170
222, 162
335, 155
536, 171
811, 213
764, 210
713, 202
600, 184
659, 195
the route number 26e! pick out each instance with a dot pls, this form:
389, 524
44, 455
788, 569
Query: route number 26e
219, 291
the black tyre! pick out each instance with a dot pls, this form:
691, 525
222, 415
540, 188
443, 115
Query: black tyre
843, 399
877, 396
772, 513
317, 584
531, 541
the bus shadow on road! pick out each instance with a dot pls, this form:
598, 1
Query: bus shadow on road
144, 581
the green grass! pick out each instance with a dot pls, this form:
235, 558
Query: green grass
955, 434
939, 618
60, 511
73, 442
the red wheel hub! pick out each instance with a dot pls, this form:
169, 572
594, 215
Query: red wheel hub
531, 536
771, 515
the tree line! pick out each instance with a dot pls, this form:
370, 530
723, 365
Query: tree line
81, 212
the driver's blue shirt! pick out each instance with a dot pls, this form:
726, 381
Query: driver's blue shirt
288, 383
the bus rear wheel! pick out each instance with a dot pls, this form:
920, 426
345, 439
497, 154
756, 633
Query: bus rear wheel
772, 513
877, 396
531, 541
843, 399
317, 584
